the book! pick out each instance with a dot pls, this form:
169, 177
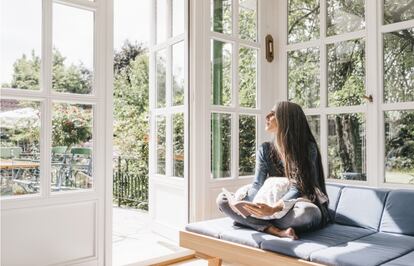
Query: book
238, 206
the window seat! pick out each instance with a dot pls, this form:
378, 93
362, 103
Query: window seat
371, 227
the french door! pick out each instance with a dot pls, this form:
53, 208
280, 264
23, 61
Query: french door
232, 89
168, 183
56, 70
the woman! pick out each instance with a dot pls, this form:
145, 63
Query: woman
293, 153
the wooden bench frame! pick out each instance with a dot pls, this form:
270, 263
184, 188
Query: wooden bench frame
236, 253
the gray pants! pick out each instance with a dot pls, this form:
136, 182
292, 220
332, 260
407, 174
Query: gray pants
303, 217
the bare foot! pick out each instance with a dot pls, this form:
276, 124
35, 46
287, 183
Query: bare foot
289, 232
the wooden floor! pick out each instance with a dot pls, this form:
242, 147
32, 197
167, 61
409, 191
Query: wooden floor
200, 262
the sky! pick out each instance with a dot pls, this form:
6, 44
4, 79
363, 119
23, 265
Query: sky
20, 30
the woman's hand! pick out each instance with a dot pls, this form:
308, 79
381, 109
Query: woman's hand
261, 209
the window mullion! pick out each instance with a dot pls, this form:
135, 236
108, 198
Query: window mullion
323, 68
373, 145
168, 116
46, 86
323, 101
235, 115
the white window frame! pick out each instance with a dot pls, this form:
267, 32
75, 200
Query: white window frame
374, 112
382, 106
203, 188
234, 109
46, 96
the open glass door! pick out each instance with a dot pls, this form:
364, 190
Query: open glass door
168, 200
233, 87
54, 127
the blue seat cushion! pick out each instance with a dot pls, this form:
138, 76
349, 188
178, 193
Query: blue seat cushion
211, 227
334, 192
245, 236
333, 234
398, 216
361, 207
405, 260
369, 250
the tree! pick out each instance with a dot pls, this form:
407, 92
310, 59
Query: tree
65, 78
72, 78
71, 125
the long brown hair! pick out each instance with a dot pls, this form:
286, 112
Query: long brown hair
293, 144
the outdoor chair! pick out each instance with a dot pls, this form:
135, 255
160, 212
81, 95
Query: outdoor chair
59, 163
10, 152
81, 164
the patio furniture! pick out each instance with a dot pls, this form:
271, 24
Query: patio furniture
371, 226
14, 171
80, 163
10, 152
59, 163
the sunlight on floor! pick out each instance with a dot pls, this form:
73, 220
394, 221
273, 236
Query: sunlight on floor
133, 241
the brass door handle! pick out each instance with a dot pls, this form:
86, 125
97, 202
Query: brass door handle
270, 54
369, 98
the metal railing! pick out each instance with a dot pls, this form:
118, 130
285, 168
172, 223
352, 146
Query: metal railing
130, 183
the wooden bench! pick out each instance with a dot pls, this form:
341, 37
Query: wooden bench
216, 250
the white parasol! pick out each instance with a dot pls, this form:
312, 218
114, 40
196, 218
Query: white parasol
20, 118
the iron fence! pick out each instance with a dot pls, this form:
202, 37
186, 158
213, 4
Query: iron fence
130, 183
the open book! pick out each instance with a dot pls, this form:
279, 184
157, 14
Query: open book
237, 206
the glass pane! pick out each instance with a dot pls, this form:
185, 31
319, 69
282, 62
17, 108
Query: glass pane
20, 44
314, 122
345, 16
161, 144
178, 17
161, 67
178, 145
72, 146
20, 147
346, 73
178, 73
161, 20
398, 10
399, 147
399, 66
247, 77
304, 77
247, 146
72, 49
347, 146
221, 72
303, 20
220, 145
248, 19
221, 16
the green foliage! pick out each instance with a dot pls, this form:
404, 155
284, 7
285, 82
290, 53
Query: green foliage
71, 125
71, 79
303, 79
247, 146
26, 73
131, 115
303, 20
346, 80
247, 77
178, 144
399, 135
65, 78
248, 23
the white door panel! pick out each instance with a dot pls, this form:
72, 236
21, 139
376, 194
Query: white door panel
168, 174
49, 235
